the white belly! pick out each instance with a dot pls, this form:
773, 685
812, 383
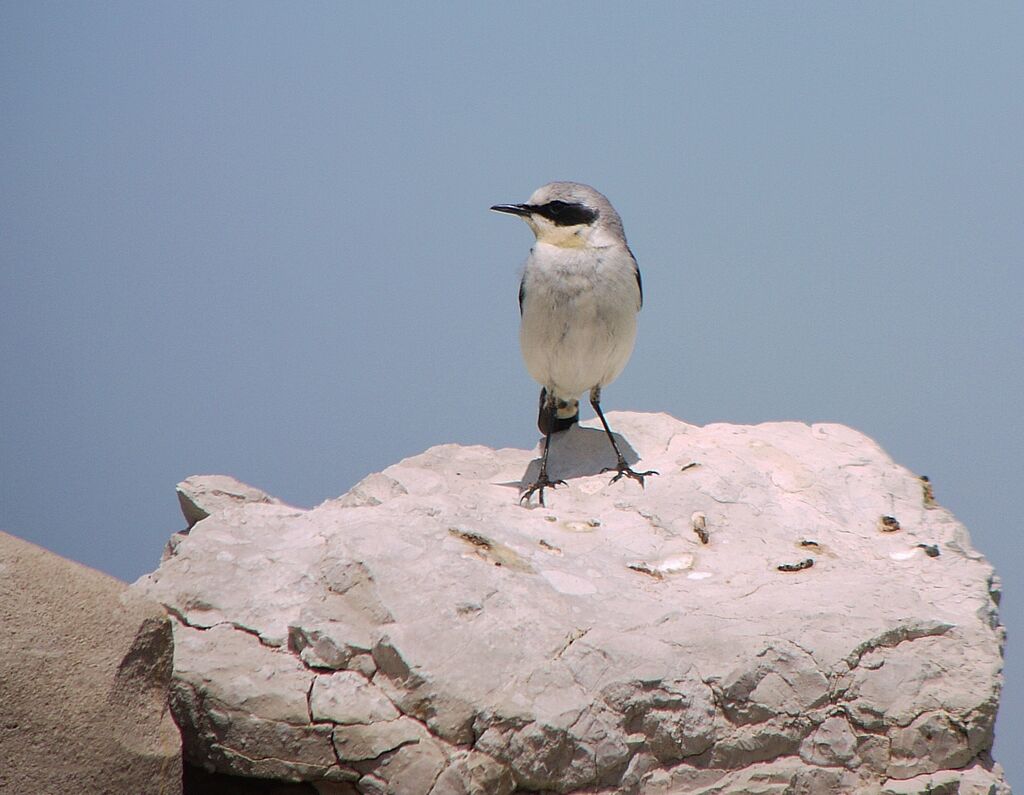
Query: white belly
579, 318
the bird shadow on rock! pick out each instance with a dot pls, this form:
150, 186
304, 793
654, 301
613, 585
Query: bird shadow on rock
577, 453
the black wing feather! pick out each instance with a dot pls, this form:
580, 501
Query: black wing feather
636, 270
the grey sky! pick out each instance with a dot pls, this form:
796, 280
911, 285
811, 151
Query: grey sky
253, 239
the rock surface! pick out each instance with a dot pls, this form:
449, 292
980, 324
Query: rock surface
781, 610
85, 669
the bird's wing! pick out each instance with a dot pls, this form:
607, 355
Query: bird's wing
636, 270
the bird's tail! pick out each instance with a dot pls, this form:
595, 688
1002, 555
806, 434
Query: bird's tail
566, 414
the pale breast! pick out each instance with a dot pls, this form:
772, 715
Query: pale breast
579, 319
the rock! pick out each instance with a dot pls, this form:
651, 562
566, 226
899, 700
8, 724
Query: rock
426, 633
202, 495
85, 668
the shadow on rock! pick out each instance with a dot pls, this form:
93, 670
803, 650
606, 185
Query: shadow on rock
580, 452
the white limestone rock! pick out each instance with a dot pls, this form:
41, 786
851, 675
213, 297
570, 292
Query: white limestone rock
820, 626
202, 495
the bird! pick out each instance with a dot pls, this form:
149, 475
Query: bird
578, 303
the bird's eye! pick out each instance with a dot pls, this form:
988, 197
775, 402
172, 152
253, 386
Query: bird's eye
556, 208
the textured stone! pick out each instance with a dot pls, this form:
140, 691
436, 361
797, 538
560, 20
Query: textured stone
362, 741
426, 633
347, 697
85, 669
203, 495
979, 778
472, 773
244, 709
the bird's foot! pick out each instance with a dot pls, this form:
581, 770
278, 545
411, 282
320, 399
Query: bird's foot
537, 487
624, 469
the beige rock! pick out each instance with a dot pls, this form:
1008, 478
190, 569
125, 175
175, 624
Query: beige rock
84, 673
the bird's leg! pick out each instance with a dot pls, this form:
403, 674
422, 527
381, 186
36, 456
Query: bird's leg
542, 480
621, 467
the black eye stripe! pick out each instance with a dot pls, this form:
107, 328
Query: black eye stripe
564, 213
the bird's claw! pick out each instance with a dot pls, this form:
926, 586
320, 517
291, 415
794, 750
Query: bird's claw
537, 487
623, 469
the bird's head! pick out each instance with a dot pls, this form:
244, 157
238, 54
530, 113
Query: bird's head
569, 215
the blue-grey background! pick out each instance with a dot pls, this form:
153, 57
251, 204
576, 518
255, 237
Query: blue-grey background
253, 239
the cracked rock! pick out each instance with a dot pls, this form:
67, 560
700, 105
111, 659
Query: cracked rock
418, 635
369, 740
347, 698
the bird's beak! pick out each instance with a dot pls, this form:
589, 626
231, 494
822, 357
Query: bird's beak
512, 209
